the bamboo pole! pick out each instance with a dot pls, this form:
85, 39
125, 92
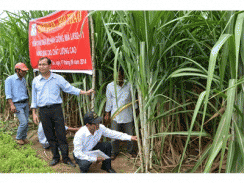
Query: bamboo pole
93, 61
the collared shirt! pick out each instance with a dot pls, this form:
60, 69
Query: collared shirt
15, 88
47, 91
84, 141
41, 136
123, 98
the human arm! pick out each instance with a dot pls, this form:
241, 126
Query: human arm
109, 104
9, 95
35, 117
86, 92
12, 106
72, 129
114, 134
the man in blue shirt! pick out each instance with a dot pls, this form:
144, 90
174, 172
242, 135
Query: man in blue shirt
46, 96
17, 96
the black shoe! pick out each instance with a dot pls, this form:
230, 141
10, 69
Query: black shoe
54, 162
109, 170
70, 163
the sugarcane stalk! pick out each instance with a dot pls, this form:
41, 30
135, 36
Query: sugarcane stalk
136, 125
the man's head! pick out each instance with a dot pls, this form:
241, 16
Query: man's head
44, 65
120, 76
21, 69
92, 121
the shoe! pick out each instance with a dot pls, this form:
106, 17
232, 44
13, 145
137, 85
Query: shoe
54, 162
113, 156
109, 170
20, 141
26, 141
70, 163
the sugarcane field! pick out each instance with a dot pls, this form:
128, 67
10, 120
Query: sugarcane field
121, 91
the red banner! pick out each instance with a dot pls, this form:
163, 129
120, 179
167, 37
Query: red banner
64, 38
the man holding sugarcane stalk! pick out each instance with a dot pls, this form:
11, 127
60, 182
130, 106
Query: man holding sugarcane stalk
46, 96
119, 95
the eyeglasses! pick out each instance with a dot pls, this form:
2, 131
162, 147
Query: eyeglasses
42, 64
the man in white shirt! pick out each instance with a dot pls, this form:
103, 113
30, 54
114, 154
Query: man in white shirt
87, 139
124, 120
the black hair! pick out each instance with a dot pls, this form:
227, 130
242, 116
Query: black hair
48, 60
121, 70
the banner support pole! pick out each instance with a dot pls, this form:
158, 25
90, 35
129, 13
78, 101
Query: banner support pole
93, 61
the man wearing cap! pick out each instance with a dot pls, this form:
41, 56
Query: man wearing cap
46, 96
17, 96
87, 139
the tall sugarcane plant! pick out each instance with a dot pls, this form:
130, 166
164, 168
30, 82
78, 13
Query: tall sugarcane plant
186, 71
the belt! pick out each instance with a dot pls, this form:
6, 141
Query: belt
50, 106
22, 101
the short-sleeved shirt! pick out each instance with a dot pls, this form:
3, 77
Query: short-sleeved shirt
15, 88
84, 141
123, 98
47, 91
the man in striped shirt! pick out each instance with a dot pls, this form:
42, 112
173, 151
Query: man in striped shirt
118, 95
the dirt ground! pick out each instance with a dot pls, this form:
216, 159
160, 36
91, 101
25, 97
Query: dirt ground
122, 164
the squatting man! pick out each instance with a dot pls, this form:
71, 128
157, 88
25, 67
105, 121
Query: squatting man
87, 139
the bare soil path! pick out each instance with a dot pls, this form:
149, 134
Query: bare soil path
122, 164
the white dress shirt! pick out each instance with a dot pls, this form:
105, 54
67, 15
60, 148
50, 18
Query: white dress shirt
84, 141
123, 98
41, 136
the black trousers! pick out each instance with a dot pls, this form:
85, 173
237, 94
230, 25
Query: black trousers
105, 147
54, 129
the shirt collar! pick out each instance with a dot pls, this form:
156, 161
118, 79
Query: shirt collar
124, 83
16, 76
51, 76
87, 132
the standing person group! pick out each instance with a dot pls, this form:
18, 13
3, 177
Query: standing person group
46, 97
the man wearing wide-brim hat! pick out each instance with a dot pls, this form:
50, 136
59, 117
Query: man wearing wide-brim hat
87, 139
17, 96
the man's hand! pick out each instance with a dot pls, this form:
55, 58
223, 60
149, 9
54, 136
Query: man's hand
134, 138
35, 119
100, 159
89, 92
107, 116
13, 108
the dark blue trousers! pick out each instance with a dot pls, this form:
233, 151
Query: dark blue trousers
105, 147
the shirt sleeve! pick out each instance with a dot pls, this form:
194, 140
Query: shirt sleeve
67, 87
108, 106
8, 92
78, 147
34, 96
115, 134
